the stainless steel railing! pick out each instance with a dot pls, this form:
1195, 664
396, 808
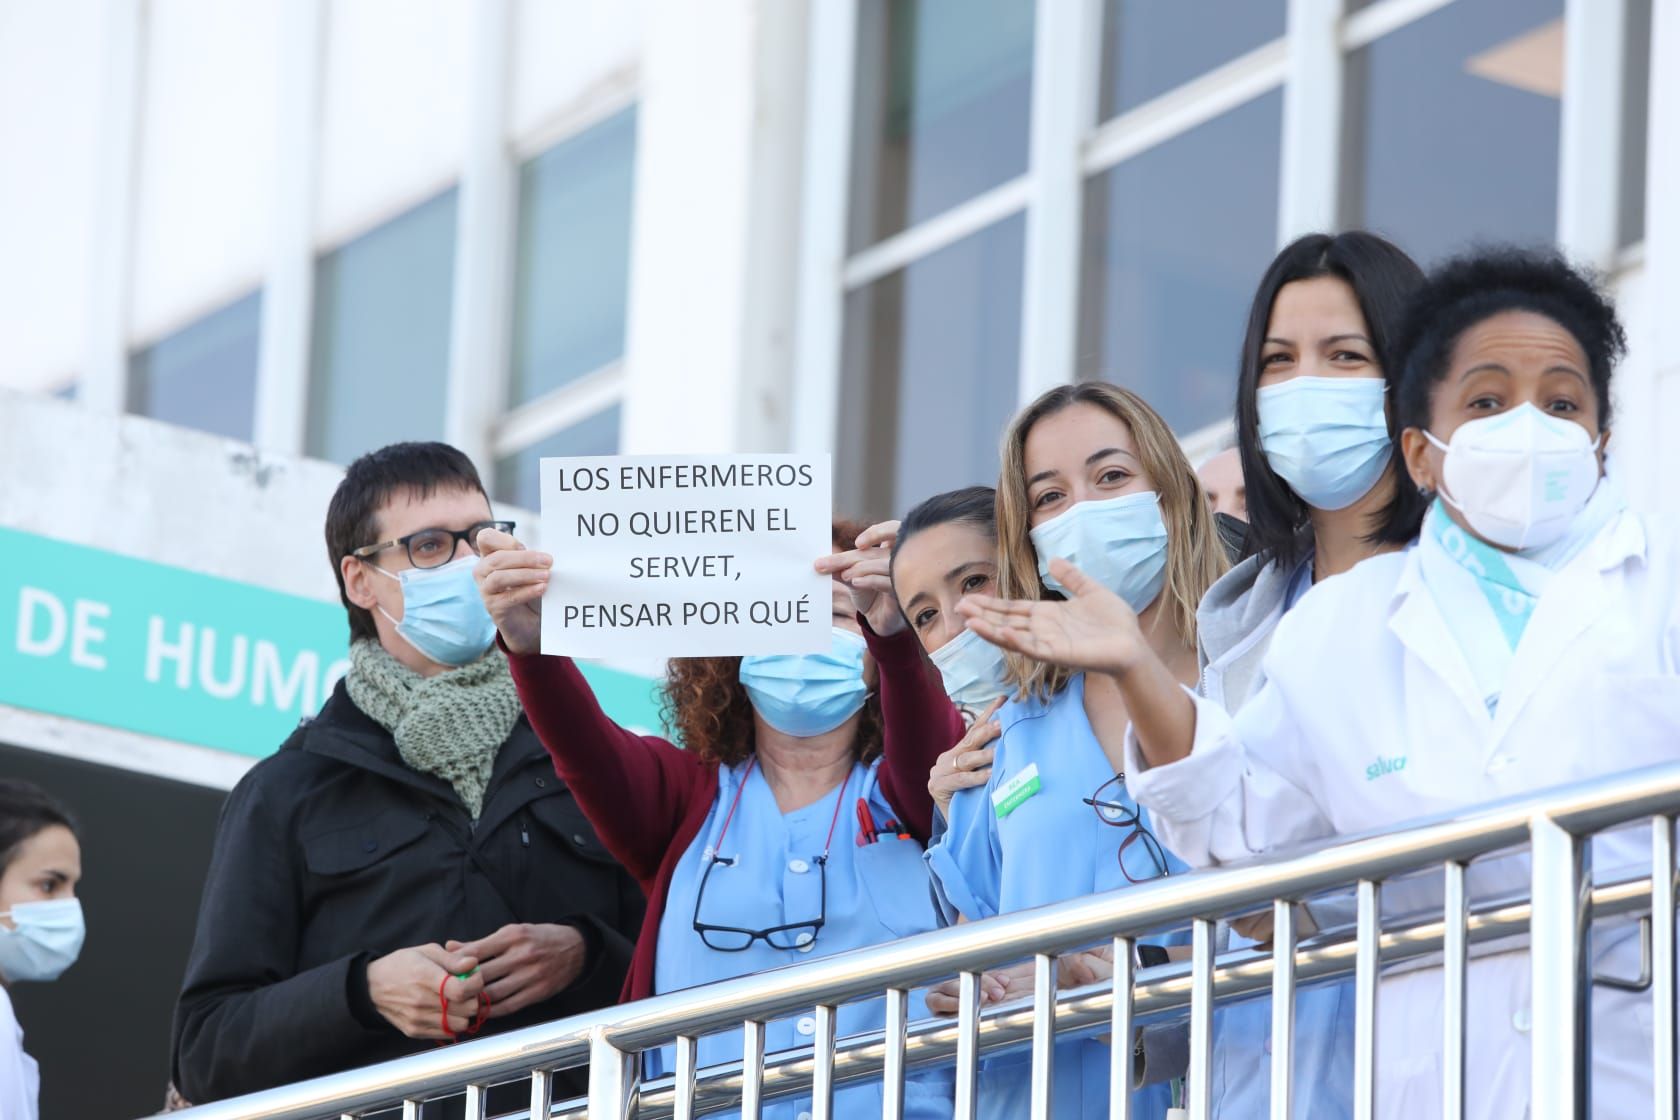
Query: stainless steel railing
1555, 825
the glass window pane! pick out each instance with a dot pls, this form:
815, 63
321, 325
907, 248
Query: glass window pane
204, 375
381, 345
573, 270
1453, 128
1636, 119
929, 377
1175, 240
943, 101
1151, 46
516, 475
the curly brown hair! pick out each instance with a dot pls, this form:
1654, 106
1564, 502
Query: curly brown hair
707, 707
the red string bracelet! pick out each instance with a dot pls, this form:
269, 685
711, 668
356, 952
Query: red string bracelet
443, 1011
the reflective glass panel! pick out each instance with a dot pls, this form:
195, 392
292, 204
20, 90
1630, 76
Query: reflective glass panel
930, 374
204, 375
1151, 46
572, 277
1453, 128
943, 101
381, 345
1175, 241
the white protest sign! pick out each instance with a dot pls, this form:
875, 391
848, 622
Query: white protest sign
686, 555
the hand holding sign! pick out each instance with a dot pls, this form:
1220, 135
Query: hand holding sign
512, 580
867, 571
682, 556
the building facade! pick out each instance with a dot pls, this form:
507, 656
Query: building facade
246, 242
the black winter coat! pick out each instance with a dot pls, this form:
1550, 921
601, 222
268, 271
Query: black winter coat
332, 852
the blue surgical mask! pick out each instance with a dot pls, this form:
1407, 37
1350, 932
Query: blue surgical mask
443, 616
975, 671
1119, 542
47, 940
807, 694
1326, 436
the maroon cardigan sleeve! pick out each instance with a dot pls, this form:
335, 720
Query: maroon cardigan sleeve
920, 721
635, 789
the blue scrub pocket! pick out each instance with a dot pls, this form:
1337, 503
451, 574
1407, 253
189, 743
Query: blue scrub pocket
895, 878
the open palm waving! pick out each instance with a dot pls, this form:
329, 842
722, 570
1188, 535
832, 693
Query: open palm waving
1093, 629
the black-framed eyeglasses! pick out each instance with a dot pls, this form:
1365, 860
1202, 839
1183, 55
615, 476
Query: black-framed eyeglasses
433, 548
1120, 814
793, 935
734, 939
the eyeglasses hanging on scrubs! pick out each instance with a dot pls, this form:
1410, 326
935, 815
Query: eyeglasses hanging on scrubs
1119, 542
1129, 817
793, 935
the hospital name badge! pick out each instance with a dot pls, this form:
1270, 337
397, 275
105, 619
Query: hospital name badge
1009, 796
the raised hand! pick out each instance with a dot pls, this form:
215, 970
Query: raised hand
511, 579
867, 571
1092, 629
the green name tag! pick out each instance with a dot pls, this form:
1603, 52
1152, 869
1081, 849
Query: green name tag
1009, 796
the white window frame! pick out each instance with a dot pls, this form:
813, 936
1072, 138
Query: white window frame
1068, 145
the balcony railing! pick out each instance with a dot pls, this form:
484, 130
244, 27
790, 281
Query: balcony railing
1562, 900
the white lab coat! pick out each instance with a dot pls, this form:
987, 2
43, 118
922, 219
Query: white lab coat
20, 1079
1369, 717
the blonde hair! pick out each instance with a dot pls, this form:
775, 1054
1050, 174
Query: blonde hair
1195, 553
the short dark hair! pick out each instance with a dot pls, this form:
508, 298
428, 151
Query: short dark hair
1383, 278
369, 484
25, 810
1478, 285
972, 505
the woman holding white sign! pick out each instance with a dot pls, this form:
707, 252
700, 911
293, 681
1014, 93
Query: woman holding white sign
1089, 471
790, 827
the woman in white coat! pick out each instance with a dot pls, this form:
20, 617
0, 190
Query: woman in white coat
1530, 638
40, 922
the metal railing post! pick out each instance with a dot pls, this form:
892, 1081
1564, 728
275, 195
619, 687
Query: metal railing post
1368, 941
1283, 1009
1455, 913
612, 1078
1562, 992
822, 1064
1120, 1031
1198, 1088
688, 1063
1663, 967
968, 1046
542, 1093
752, 1070
1044, 1037
892, 1062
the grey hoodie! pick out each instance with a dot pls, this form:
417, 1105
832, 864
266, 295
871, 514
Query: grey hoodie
1234, 625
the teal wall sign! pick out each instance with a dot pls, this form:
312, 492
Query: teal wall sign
105, 638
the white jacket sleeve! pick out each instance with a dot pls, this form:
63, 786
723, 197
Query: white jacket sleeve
20, 1080
1242, 790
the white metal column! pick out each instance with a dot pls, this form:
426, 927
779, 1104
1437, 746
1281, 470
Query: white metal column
283, 345
1662, 248
104, 384
1312, 120
1589, 145
832, 59
1067, 58
479, 306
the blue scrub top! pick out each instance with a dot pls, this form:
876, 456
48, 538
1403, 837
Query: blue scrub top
876, 892
1050, 848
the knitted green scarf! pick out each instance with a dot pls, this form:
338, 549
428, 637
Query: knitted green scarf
450, 725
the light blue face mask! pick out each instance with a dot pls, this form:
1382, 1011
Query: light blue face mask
975, 671
1119, 542
47, 940
443, 616
806, 694
1326, 436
